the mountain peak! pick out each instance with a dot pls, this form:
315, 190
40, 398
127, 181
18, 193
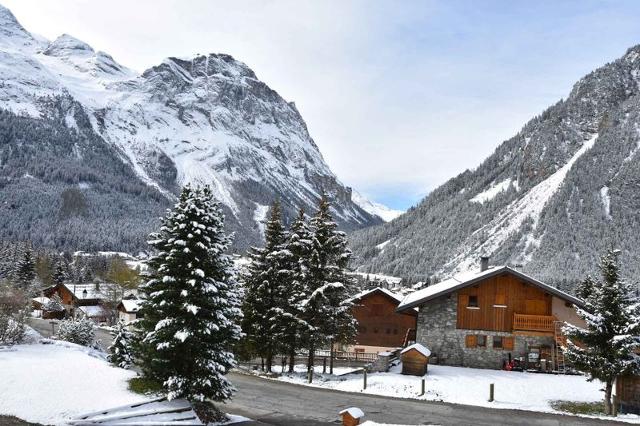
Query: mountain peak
67, 45
11, 32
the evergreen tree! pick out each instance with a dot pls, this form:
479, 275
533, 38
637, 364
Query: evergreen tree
25, 272
54, 304
326, 307
266, 287
607, 347
60, 272
191, 303
299, 248
121, 352
80, 331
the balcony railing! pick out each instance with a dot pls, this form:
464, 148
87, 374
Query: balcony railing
544, 323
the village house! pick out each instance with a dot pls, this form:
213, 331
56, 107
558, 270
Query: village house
90, 300
128, 310
493, 318
380, 328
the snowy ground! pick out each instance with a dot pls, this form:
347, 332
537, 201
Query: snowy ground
470, 386
51, 383
54, 382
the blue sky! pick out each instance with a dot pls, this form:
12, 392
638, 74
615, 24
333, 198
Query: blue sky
399, 96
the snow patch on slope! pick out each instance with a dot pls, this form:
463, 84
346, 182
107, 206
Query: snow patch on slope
512, 217
374, 208
492, 191
606, 201
260, 215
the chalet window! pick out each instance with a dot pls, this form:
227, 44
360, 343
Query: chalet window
375, 331
395, 331
497, 342
481, 341
473, 302
388, 331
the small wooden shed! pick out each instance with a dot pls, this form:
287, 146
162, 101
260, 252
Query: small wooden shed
351, 416
415, 360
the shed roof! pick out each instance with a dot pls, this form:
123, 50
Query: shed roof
417, 347
93, 311
470, 278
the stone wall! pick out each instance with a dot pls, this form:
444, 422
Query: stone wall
437, 331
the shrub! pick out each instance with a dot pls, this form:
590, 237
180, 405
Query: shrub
76, 330
14, 306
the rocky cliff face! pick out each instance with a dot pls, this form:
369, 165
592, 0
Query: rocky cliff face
203, 120
551, 198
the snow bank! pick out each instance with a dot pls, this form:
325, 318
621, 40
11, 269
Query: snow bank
470, 386
50, 383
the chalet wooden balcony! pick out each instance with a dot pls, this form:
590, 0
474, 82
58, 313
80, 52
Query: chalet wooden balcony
539, 323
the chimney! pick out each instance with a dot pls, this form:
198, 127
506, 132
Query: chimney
484, 263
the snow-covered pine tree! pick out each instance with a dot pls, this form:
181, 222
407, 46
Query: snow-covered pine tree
327, 309
60, 272
80, 331
266, 288
121, 351
607, 347
25, 273
191, 304
299, 247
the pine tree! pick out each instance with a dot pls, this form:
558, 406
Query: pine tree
121, 351
191, 303
25, 272
299, 248
266, 287
607, 347
80, 331
60, 273
326, 306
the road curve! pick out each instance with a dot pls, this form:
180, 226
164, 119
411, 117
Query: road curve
284, 404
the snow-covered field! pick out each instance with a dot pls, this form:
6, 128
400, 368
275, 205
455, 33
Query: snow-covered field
54, 382
513, 390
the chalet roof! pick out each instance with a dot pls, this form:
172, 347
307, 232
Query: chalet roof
470, 278
94, 291
130, 305
418, 347
362, 294
42, 300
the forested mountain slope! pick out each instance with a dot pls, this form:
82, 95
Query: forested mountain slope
122, 144
551, 198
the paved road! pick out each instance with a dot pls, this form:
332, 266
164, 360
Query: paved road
284, 404
103, 337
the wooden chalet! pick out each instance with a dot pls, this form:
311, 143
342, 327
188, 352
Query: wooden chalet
128, 310
493, 318
380, 327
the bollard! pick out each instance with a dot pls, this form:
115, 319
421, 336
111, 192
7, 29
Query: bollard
614, 408
365, 378
324, 365
423, 387
310, 376
491, 389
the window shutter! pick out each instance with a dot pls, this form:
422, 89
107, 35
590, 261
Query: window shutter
463, 300
470, 341
507, 343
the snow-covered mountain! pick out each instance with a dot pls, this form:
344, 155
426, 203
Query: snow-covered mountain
551, 198
375, 209
206, 119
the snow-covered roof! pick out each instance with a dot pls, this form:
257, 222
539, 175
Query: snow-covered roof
354, 412
469, 278
130, 305
387, 292
418, 347
93, 311
93, 290
42, 300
